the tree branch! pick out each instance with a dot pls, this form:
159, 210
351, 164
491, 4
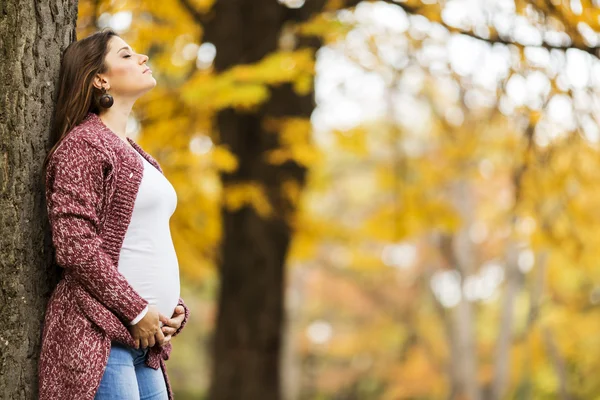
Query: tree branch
496, 38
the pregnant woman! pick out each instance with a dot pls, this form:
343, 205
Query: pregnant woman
110, 320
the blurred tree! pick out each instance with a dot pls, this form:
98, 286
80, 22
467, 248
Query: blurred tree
247, 338
233, 105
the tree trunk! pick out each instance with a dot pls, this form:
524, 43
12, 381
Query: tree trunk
248, 332
33, 36
465, 358
291, 368
514, 282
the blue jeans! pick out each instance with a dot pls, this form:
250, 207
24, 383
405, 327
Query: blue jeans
126, 376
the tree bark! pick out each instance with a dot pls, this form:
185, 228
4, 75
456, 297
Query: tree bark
249, 326
33, 36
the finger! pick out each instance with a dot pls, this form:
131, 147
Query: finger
175, 322
143, 343
167, 339
136, 339
159, 337
170, 322
162, 318
151, 341
168, 330
178, 310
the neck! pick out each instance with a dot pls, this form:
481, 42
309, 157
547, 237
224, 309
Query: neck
116, 120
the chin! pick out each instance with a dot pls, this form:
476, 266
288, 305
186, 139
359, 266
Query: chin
151, 85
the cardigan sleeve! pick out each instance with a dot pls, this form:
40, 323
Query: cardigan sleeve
74, 191
185, 318
140, 316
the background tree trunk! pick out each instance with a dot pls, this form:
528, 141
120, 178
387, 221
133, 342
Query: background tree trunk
248, 332
460, 253
33, 36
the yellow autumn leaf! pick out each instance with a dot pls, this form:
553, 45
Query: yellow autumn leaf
238, 195
223, 159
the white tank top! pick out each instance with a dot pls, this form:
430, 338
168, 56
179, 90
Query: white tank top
147, 258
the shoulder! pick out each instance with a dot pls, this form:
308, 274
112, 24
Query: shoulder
74, 155
83, 144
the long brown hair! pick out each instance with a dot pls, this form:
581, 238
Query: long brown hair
77, 95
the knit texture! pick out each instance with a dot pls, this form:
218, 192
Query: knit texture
92, 180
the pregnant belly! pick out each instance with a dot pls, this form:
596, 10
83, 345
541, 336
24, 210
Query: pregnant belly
157, 283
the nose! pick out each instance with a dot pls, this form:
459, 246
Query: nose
144, 58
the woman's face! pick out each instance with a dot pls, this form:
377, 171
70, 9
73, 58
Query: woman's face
128, 76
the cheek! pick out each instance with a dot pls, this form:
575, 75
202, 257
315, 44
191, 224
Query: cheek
123, 69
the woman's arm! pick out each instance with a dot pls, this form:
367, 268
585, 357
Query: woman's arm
74, 190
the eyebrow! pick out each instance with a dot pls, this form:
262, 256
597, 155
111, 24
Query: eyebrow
123, 48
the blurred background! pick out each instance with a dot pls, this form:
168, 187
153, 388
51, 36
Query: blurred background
377, 200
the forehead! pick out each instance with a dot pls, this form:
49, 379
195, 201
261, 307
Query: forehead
116, 43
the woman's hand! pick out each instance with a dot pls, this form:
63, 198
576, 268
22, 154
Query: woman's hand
147, 331
170, 325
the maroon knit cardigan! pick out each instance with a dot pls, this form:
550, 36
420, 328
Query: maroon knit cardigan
92, 180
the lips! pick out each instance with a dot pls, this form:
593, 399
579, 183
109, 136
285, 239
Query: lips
147, 70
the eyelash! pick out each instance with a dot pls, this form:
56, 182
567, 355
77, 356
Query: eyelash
127, 56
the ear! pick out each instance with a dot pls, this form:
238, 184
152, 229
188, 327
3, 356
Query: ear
99, 81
